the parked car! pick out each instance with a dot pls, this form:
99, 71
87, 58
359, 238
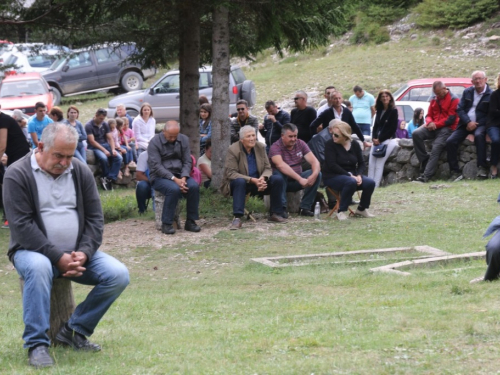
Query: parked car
164, 94
406, 109
22, 91
94, 69
420, 90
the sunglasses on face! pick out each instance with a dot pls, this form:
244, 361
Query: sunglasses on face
336, 135
240, 109
297, 98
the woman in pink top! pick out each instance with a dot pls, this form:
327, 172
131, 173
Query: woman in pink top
144, 127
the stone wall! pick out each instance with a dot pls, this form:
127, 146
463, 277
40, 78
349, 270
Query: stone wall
403, 165
96, 170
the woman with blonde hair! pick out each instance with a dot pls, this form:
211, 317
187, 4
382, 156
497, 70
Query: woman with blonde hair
144, 127
343, 171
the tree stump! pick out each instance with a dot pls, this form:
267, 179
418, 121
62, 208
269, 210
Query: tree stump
62, 305
159, 200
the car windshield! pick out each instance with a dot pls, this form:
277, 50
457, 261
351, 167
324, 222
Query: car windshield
22, 88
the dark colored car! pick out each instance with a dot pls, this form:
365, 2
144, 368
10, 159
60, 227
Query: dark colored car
94, 69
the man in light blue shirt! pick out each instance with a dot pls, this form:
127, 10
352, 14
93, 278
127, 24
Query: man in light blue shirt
363, 104
38, 122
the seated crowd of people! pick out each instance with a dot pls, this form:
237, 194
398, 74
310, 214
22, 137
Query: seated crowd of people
298, 150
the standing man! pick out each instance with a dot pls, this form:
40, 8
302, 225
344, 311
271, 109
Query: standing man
473, 112
56, 225
302, 115
273, 122
363, 104
328, 96
337, 111
100, 140
121, 111
247, 171
243, 118
286, 156
38, 122
440, 122
170, 163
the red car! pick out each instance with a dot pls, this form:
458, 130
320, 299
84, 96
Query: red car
22, 91
420, 90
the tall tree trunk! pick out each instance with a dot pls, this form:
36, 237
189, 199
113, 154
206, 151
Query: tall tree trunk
189, 63
221, 128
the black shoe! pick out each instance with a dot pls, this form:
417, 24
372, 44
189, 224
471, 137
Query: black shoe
284, 215
39, 356
76, 340
167, 228
456, 176
191, 226
110, 184
422, 179
305, 212
104, 183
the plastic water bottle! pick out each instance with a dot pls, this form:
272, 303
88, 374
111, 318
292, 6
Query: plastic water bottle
317, 211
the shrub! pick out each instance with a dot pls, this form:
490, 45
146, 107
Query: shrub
117, 207
453, 13
370, 32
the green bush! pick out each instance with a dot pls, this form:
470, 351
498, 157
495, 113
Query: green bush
117, 207
454, 13
370, 32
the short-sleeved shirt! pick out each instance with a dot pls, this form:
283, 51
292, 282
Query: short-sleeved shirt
362, 108
99, 132
37, 126
17, 145
291, 157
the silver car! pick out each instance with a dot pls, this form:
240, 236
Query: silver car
164, 94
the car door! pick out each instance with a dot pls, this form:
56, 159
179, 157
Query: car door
108, 66
79, 73
164, 98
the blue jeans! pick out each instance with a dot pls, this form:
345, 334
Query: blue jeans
128, 156
494, 133
291, 186
346, 185
172, 193
81, 153
108, 275
365, 128
240, 188
116, 162
143, 192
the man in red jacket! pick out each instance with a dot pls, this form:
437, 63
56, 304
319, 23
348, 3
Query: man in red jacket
440, 122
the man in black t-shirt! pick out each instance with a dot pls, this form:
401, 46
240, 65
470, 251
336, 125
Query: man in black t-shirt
302, 116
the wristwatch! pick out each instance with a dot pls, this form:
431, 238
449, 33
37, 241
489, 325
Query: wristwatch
172, 178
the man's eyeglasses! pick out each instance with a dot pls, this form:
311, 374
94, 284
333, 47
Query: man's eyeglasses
336, 135
297, 98
240, 109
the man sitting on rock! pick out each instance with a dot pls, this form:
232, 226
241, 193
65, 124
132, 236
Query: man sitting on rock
247, 171
440, 122
286, 155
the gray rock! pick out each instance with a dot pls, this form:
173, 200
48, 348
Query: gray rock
465, 157
394, 167
406, 143
414, 161
404, 156
470, 170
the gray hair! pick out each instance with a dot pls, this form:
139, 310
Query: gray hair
17, 114
288, 127
302, 92
120, 105
334, 122
245, 129
171, 124
53, 130
478, 72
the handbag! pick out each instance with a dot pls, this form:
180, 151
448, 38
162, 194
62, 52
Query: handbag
379, 151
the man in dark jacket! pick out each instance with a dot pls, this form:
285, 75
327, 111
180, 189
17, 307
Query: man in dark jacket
273, 122
440, 122
473, 111
56, 225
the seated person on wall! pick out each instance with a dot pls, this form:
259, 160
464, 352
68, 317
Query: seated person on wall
273, 121
143, 191
56, 226
243, 118
473, 112
247, 170
205, 164
317, 143
343, 171
170, 164
440, 122
286, 155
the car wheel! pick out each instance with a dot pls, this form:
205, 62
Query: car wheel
248, 92
56, 96
132, 81
132, 113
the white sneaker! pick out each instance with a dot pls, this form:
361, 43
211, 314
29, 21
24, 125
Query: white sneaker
477, 280
341, 216
364, 213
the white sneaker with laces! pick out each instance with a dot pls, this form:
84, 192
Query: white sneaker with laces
341, 216
364, 213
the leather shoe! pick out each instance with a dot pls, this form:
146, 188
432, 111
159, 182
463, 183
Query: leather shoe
191, 226
275, 218
236, 224
76, 340
305, 212
167, 228
39, 356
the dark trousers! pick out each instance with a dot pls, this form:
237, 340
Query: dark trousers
493, 257
240, 188
440, 137
346, 185
173, 193
457, 137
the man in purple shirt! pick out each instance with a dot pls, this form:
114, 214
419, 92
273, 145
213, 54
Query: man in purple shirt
286, 155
